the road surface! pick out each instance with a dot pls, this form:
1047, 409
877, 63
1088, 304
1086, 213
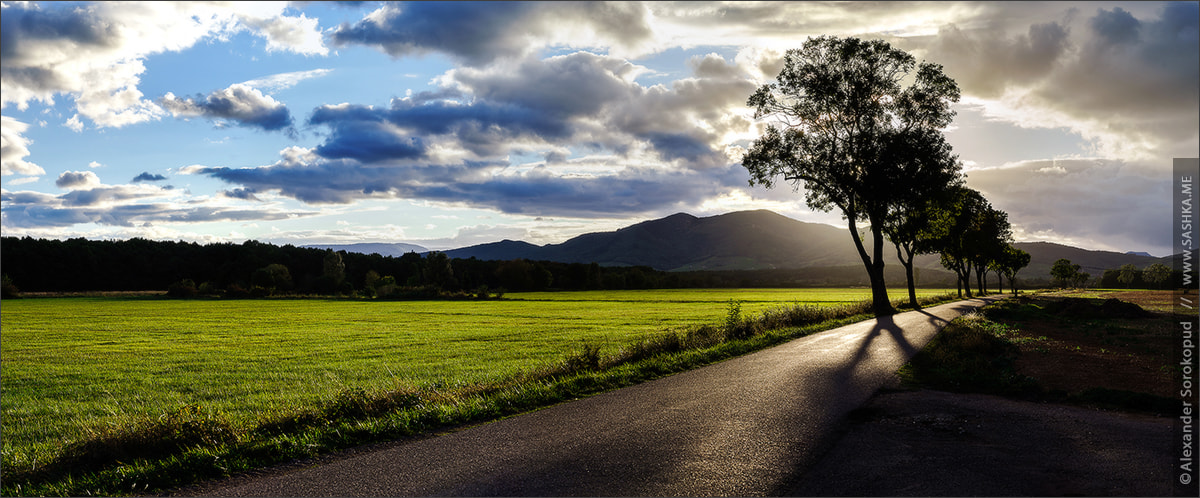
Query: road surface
746, 426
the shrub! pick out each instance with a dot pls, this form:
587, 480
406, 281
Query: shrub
8, 290
182, 289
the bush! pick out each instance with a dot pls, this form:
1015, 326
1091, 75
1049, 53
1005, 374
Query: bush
182, 289
8, 290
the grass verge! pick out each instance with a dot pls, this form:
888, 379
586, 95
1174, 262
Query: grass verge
191, 444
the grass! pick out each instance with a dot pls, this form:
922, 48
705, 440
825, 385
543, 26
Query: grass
209, 388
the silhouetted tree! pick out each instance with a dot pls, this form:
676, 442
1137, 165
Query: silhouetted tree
1068, 274
841, 103
952, 232
1012, 261
1128, 273
1157, 274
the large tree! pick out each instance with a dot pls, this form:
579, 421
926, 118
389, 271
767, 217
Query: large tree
840, 107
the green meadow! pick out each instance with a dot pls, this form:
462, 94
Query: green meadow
73, 365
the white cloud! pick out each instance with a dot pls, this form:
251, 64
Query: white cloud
283, 81
76, 180
290, 34
14, 148
240, 103
95, 52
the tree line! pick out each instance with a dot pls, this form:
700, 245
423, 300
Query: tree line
255, 268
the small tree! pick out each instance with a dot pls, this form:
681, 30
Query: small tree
1011, 262
272, 277
8, 290
1157, 274
333, 269
1128, 273
1068, 274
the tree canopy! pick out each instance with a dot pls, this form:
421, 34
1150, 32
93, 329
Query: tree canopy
853, 120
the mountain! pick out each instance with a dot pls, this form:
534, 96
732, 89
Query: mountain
745, 240
382, 249
758, 240
1044, 254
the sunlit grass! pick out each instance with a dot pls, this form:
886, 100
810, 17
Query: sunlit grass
72, 366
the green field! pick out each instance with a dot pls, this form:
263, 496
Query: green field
73, 363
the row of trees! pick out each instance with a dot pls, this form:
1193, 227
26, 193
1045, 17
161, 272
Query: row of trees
857, 125
255, 268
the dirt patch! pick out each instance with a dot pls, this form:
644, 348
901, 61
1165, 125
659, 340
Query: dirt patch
1074, 344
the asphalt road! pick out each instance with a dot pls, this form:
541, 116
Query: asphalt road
746, 426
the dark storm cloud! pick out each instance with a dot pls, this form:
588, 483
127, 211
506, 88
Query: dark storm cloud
480, 32
240, 103
146, 176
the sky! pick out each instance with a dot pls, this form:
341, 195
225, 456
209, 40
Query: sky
450, 124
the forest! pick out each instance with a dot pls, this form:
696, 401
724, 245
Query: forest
256, 269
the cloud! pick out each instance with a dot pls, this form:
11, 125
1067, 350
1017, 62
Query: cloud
73, 179
1097, 203
283, 81
240, 103
290, 34
246, 194
90, 201
95, 53
1127, 83
14, 148
479, 33
614, 188
578, 100
146, 176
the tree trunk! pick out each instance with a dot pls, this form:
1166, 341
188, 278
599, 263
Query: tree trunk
908, 273
879, 300
966, 278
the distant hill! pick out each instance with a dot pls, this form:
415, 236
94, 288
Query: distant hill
1044, 254
745, 240
382, 249
757, 240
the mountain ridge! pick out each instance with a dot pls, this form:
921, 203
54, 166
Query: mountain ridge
755, 240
